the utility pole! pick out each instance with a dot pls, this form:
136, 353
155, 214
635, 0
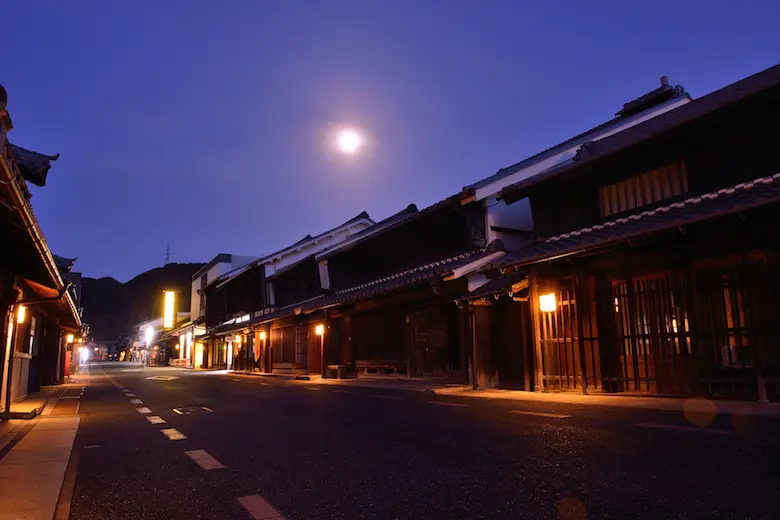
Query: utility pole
167, 254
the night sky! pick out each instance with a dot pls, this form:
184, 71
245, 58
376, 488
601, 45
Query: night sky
207, 125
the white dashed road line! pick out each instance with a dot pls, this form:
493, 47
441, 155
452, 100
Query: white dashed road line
155, 419
445, 403
694, 429
204, 460
128, 394
541, 414
143, 410
394, 397
207, 409
259, 508
136, 401
173, 434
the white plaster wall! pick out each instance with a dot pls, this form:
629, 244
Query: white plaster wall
290, 256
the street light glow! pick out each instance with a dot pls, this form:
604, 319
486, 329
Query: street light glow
149, 334
349, 141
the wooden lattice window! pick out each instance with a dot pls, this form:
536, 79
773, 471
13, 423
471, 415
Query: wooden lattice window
644, 189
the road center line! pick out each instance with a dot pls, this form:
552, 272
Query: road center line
541, 414
312, 389
380, 396
136, 401
204, 460
173, 434
143, 410
155, 419
445, 403
259, 508
343, 392
694, 429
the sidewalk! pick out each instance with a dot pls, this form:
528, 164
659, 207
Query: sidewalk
32, 472
680, 404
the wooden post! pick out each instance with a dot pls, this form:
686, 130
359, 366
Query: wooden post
462, 338
324, 340
533, 300
578, 306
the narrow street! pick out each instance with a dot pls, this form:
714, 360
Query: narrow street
313, 451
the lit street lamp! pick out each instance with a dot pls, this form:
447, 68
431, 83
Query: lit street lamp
319, 330
21, 313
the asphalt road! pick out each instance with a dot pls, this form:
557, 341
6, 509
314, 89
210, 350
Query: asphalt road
335, 452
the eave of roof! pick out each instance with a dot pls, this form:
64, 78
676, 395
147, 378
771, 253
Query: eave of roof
33, 166
496, 286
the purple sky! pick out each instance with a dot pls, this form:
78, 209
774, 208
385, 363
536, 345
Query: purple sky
203, 124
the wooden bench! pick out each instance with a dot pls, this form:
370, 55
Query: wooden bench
341, 371
382, 368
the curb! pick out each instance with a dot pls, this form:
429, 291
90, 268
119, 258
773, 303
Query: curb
28, 415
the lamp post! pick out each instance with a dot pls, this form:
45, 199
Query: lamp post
319, 330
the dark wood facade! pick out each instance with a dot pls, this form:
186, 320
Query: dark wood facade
682, 300
409, 329
241, 295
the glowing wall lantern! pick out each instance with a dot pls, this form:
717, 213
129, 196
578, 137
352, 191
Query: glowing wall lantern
69, 338
262, 335
319, 330
547, 302
169, 310
21, 313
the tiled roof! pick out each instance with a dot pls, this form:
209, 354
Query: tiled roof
758, 192
403, 279
376, 287
658, 125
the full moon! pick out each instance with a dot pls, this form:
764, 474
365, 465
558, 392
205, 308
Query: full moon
348, 141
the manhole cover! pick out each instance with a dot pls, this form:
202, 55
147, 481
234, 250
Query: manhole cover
189, 410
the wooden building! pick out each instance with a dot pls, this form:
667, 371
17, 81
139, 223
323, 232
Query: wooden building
655, 264
249, 312
38, 308
389, 306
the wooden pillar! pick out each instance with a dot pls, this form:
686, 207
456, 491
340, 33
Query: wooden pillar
533, 300
579, 313
463, 339
525, 334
